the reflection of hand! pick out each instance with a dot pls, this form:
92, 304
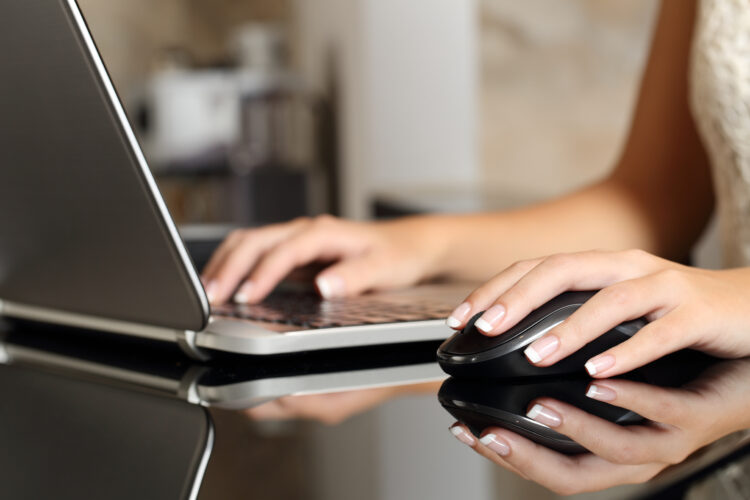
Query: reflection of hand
368, 256
333, 408
682, 421
688, 307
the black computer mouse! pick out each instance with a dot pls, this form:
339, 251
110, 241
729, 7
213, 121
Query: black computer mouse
469, 353
483, 403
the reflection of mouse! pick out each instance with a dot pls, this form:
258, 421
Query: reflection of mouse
469, 353
483, 403
480, 404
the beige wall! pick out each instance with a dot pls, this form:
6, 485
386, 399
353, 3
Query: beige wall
557, 85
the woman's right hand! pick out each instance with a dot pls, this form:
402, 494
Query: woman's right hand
365, 256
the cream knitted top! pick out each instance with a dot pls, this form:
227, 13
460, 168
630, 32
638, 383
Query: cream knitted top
720, 102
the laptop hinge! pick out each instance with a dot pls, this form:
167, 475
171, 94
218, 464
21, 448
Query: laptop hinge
186, 341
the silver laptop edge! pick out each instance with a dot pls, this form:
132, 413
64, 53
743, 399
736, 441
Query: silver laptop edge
135, 147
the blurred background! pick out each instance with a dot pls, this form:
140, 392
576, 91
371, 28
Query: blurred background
256, 111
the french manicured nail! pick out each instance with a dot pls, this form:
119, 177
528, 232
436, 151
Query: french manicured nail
462, 435
496, 444
600, 364
490, 318
330, 287
243, 294
458, 316
601, 393
544, 415
211, 291
542, 348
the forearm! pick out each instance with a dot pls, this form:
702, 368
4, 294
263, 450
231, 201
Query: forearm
606, 215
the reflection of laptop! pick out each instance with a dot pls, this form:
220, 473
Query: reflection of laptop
70, 439
85, 237
231, 383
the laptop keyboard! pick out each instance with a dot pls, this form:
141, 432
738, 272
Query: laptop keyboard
306, 309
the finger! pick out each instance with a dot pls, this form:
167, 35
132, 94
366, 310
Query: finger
671, 333
564, 474
314, 243
615, 304
629, 445
554, 275
239, 262
658, 404
240, 253
226, 246
350, 277
481, 298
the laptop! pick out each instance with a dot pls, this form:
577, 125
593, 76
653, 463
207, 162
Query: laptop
86, 239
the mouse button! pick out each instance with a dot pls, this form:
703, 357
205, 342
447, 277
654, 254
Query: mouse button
467, 341
540, 327
472, 341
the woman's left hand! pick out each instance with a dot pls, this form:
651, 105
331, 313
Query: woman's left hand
682, 421
687, 307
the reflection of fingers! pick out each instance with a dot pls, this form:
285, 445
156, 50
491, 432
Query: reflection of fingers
461, 433
481, 298
568, 474
655, 340
618, 444
668, 406
554, 275
267, 411
623, 301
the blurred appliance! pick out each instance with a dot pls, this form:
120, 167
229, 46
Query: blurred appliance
228, 143
186, 115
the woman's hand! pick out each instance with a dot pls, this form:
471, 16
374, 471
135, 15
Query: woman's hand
687, 307
682, 421
366, 256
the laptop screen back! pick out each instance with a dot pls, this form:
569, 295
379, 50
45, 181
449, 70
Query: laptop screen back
82, 227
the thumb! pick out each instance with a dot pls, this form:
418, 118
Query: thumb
349, 277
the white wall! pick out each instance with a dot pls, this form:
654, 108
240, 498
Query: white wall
408, 81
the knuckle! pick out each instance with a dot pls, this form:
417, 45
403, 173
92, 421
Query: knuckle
523, 266
626, 455
236, 235
560, 260
636, 254
671, 277
303, 220
324, 219
619, 294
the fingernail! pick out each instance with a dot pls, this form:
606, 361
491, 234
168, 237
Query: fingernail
599, 364
210, 290
462, 435
544, 415
243, 294
490, 318
601, 393
330, 287
458, 315
542, 348
496, 444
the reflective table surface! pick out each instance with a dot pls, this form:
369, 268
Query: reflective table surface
91, 415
